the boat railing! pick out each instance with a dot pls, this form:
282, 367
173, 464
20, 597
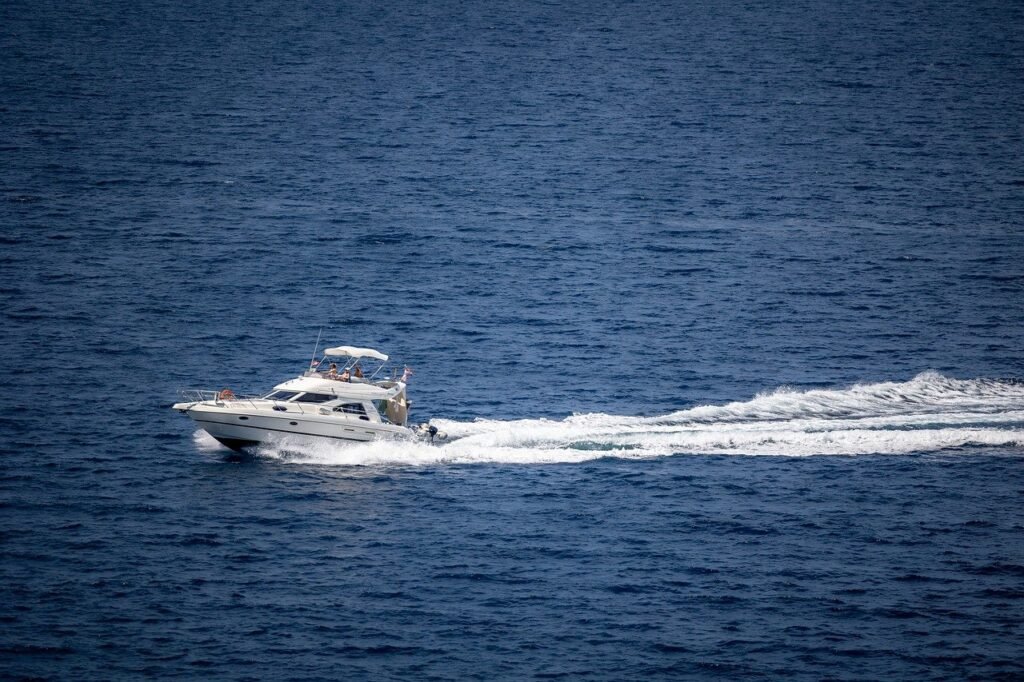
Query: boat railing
198, 395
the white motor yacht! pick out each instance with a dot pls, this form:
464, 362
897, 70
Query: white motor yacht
338, 405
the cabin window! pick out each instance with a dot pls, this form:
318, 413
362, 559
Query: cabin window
314, 398
351, 408
282, 395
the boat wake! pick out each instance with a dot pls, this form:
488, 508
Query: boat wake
926, 414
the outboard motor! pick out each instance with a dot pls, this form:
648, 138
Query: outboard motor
430, 431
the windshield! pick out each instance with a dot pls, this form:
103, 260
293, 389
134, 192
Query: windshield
281, 395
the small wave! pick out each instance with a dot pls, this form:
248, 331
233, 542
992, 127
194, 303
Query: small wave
204, 442
926, 414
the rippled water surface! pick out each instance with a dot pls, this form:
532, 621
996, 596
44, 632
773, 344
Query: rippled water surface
719, 304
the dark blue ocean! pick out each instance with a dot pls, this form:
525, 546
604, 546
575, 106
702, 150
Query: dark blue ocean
719, 302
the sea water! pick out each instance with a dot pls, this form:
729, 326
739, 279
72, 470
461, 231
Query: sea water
719, 305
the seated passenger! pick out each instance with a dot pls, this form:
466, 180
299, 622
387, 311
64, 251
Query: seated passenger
332, 373
357, 371
345, 376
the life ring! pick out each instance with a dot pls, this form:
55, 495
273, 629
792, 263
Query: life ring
226, 394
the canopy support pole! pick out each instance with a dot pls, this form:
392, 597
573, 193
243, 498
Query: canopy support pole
312, 361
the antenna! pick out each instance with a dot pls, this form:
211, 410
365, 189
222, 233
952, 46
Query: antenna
312, 361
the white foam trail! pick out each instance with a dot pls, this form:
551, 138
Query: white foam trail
929, 413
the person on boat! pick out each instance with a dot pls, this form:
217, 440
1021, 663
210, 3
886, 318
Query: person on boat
357, 371
332, 373
345, 376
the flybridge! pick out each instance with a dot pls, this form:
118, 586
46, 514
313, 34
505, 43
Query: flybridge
378, 390
350, 369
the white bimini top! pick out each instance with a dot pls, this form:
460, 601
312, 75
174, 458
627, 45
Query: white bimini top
353, 352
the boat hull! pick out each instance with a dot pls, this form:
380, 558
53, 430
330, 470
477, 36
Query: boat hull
240, 428
237, 445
